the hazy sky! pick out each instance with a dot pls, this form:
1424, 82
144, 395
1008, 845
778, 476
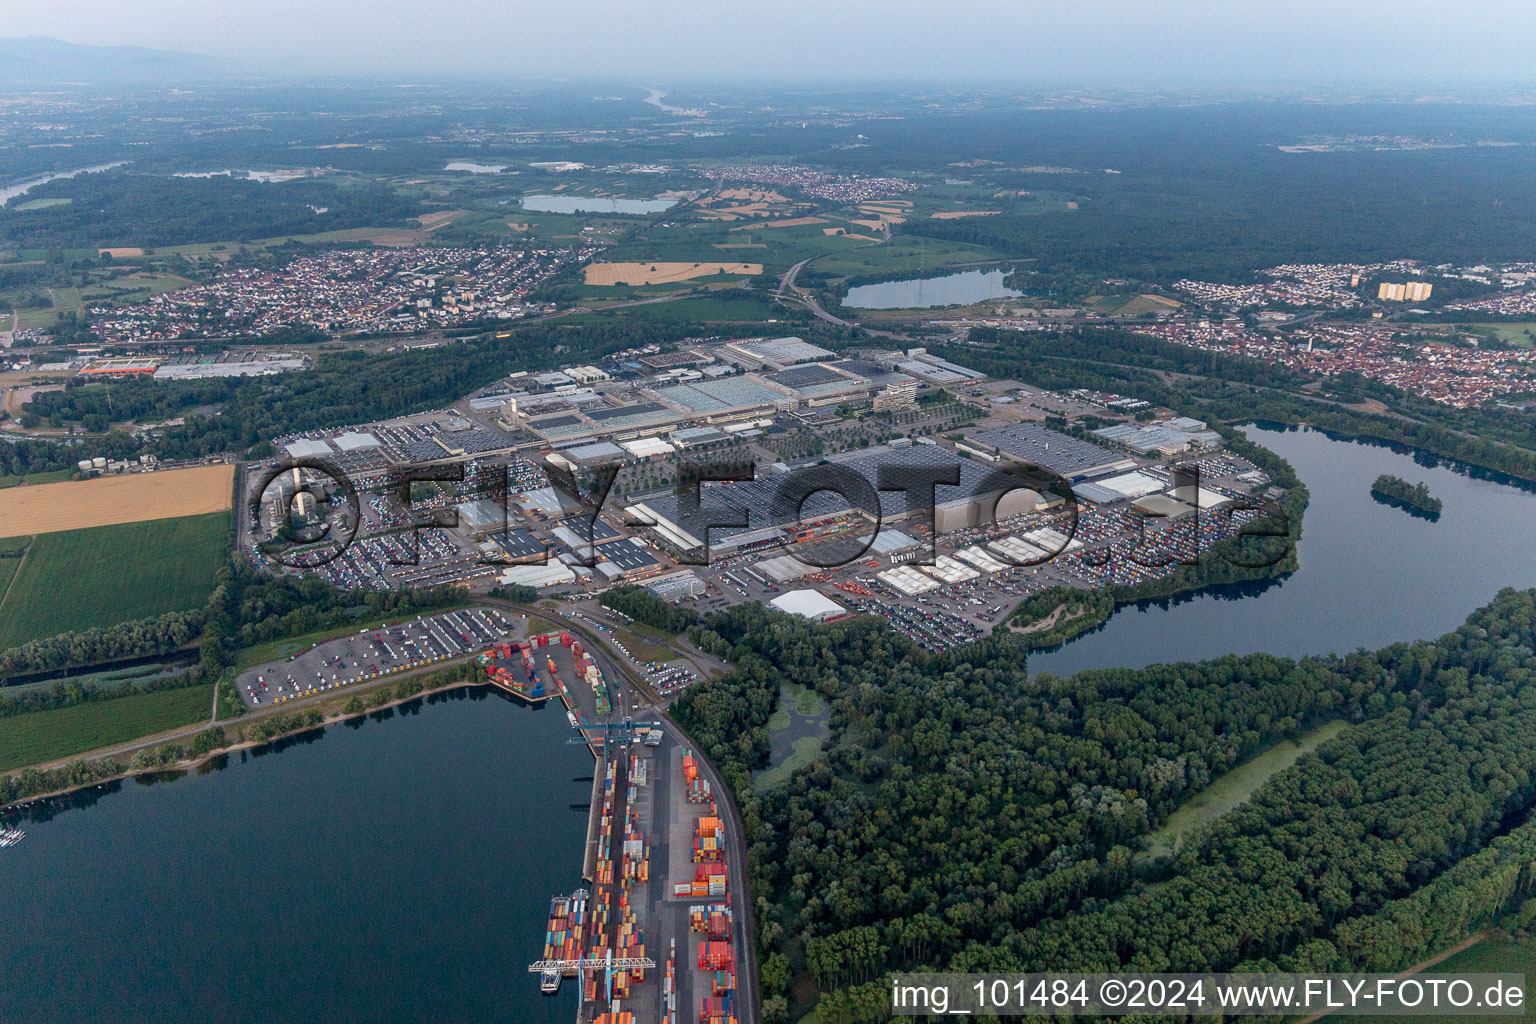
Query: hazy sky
1084, 41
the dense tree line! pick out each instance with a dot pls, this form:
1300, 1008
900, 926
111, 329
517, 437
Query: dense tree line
643, 606
966, 817
161, 635
1397, 491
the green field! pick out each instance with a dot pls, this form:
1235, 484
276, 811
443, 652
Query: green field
1494, 956
55, 477
704, 309
50, 735
903, 254
1520, 333
8, 569
1236, 786
42, 204
77, 579
639, 649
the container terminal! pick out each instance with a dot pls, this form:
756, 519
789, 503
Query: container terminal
652, 812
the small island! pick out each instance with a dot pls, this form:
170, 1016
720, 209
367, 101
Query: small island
1414, 499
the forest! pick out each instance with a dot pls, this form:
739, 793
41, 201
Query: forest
967, 817
1215, 201
123, 208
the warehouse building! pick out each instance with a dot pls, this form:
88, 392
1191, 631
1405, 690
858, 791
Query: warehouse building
1041, 446
647, 448
518, 545
598, 454
727, 398
784, 569
811, 604
676, 586
818, 384
305, 448
775, 353
627, 561
1163, 506
553, 574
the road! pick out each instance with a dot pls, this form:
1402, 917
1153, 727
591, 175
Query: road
613, 668
618, 673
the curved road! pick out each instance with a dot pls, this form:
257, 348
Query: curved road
613, 668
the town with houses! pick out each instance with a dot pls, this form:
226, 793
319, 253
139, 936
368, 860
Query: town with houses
346, 291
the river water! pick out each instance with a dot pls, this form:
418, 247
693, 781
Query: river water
1370, 574
960, 289
21, 188
399, 869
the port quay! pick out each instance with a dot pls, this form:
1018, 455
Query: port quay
653, 937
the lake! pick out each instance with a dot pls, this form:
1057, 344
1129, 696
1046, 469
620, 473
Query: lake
1370, 574
21, 188
400, 868
266, 177
960, 289
397, 869
594, 204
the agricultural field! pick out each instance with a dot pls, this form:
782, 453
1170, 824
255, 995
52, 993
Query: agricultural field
79, 579
619, 274
31, 479
902, 255
1132, 305
1494, 955
65, 300
10, 562
43, 736
137, 497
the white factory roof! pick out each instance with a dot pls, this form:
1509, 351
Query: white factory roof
812, 604
645, 447
1052, 540
1017, 551
978, 557
784, 568
549, 575
306, 448
950, 571
352, 440
1132, 485
907, 580
1208, 499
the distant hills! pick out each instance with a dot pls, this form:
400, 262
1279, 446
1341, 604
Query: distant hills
41, 60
